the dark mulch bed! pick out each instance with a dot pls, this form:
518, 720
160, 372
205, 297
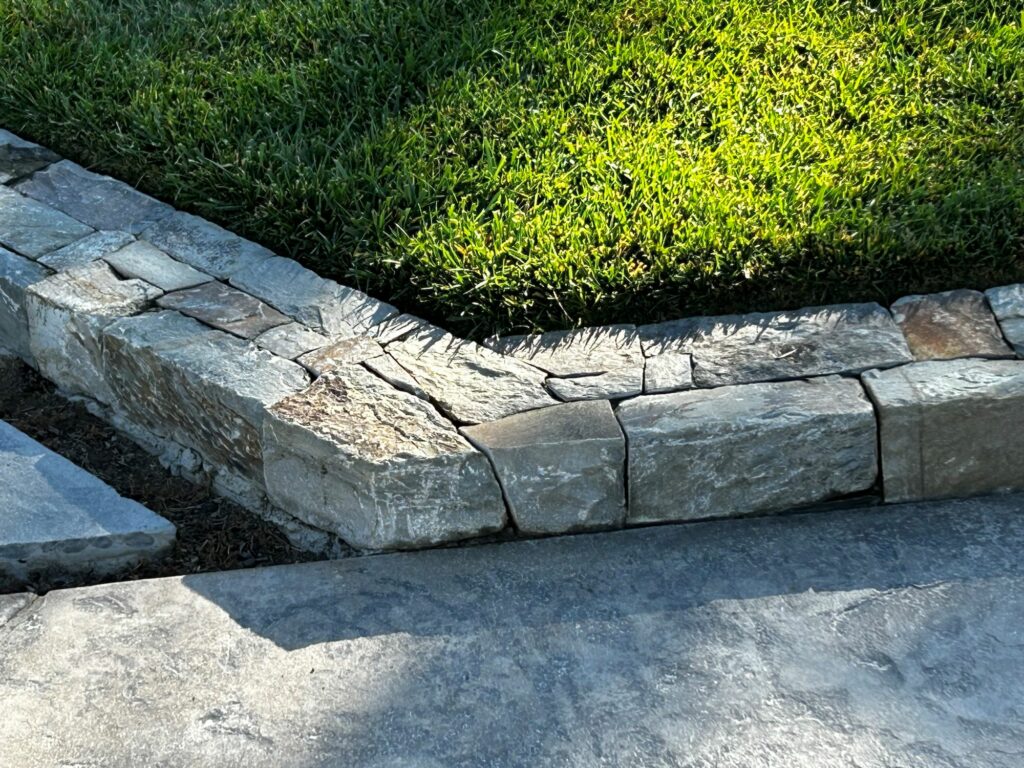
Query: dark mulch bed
213, 534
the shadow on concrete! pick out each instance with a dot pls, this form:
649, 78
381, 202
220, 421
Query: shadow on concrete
622, 576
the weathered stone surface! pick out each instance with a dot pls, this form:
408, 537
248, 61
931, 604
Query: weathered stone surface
348, 351
292, 341
205, 246
99, 201
470, 383
887, 638
736, 349
17, 274
20, 158
58, 519
320, 304
147, 262
744, 449
1007, 304
950, 428
33, 229
379, 467
394, 374
395, 328
943, 326
561, 468
88, 249
586, 364
222, 307
66, 314
202, 388
668, 371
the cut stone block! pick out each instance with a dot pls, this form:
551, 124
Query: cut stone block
292, 341
398, 327
226, 309
347, 351
66, 315
950, 428
147, 262
943, 326
379, 467
744, 449
205, 246
587, 364
1007, 304
33, 229
19, 157
395, 375
201, 388
668, 372
561, 468
59, 519
470, 383
99, 201
86, 250
17, 275
320, 304
737, 349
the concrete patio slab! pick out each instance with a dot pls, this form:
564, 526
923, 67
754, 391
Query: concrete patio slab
57, 518
878, 637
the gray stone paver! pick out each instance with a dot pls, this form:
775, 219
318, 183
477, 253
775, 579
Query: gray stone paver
225, 308
950, 427
58, 518
768, 346
875, 638
147, 262
88, 249
203, 245
33, 229
562, 468
1007, 303
944, 326
99, 201
20, 158
17, 275
292, 341
744, 449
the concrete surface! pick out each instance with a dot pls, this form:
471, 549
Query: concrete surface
887, 637
57, 518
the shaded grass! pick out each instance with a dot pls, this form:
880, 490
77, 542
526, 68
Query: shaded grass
511, 165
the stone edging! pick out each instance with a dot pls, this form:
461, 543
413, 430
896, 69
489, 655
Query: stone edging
323, 408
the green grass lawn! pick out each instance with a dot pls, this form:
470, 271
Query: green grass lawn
504, 164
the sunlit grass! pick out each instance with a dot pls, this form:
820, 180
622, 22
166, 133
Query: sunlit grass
512, 165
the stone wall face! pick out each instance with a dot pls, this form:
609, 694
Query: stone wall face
312, 402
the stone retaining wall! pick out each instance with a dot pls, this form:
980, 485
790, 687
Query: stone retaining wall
319, 406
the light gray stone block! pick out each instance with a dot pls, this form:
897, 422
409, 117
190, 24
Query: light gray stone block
347, 351
99, 201
59, 519
394, 374
221, 306
147, 262
562, 468
205, 246
33, 229
737, 349
378, 467
668, 371
744, 449
66, 314
470, 383
585, 364
292, 341
202, 388
19, 157
944, 326
950, 428
320, 304
17, 275
398, 327
1007, 304
88, 249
